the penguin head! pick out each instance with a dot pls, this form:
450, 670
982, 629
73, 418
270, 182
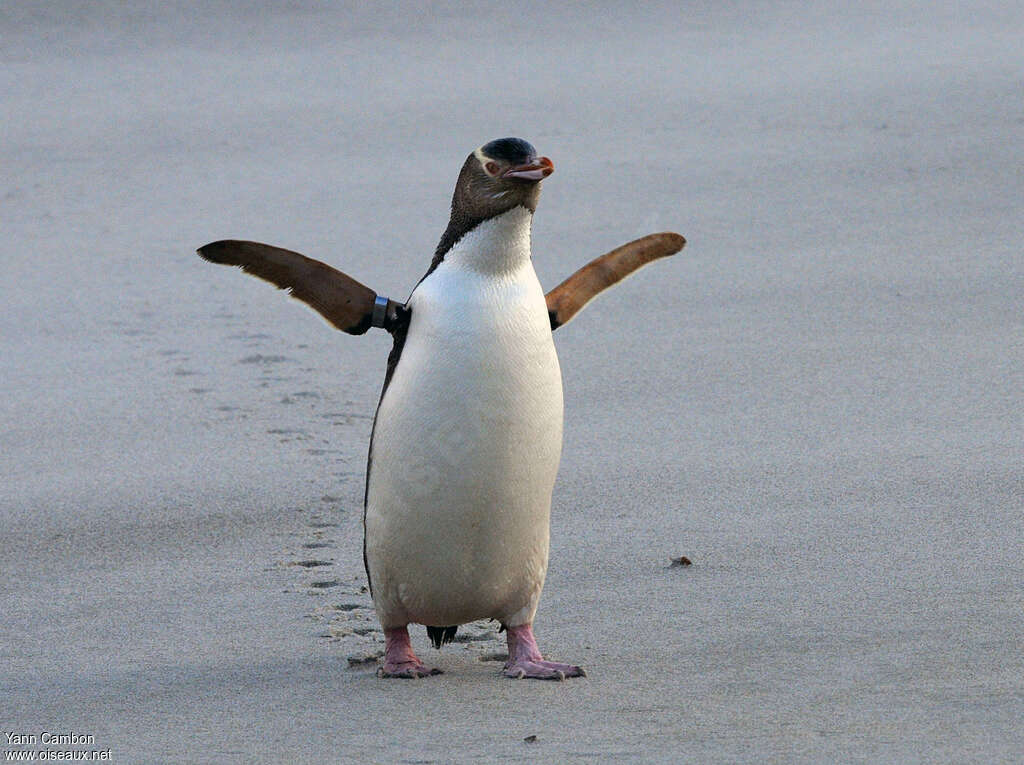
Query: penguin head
498, 176
513, 161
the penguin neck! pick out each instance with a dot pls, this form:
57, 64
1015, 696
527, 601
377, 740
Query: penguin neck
498, 245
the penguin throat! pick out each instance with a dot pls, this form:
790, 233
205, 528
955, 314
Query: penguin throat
496, 245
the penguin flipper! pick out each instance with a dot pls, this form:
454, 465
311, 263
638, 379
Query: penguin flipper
569, 297
344, 302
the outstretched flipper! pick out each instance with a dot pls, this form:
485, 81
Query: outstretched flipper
348, 305
566, 300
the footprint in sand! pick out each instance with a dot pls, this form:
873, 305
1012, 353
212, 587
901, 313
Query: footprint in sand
259, 358
311, 563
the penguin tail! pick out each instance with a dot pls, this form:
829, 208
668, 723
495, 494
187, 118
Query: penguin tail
441, 635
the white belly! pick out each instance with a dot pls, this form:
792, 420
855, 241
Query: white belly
465, 453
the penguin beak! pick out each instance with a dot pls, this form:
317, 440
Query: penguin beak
536, 170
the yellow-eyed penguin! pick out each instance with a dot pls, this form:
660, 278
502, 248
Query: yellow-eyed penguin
468, 434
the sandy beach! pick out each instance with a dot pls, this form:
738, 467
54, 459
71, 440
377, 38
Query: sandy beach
819, 401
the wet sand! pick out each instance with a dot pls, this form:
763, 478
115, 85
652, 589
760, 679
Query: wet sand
818, 402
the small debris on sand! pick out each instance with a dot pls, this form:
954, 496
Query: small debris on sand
498, 656
360, 659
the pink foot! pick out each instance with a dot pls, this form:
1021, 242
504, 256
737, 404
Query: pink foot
524, 659
399, 660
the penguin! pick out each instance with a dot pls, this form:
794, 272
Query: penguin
467, 436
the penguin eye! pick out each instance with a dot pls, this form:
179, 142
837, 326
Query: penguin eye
491, 168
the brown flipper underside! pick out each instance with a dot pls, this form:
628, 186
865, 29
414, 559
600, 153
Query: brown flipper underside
339, 298
566, 300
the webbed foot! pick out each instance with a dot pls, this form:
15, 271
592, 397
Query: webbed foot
525, 660
399, 659
409, 670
